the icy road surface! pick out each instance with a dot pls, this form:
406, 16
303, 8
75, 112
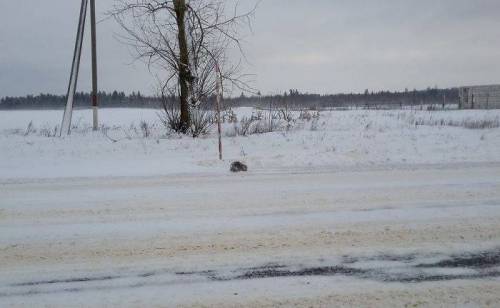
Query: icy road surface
417, 236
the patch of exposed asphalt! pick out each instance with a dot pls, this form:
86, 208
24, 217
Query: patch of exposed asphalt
479, 265
477, 260
70, 280
429, 277
483, 263
384, 257
312, 271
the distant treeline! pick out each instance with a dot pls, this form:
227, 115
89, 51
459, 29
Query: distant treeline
82, 100
291, 99
381, 99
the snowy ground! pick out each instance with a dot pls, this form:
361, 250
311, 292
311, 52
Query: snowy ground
342, 139
366, 209
363, 238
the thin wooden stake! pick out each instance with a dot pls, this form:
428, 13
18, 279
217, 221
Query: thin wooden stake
218, 89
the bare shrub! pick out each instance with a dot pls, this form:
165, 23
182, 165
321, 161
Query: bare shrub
481, 124
287, 116
312, 117
484, 123
49, 132
244, 127
315, 124
252, 126
145, 129
305, 115
264, 126
170, 117
229, 116
261, 123
202, 121
257, 115
30, 129
202, 118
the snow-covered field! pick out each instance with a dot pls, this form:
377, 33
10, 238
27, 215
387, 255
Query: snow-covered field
337, 140
361, 208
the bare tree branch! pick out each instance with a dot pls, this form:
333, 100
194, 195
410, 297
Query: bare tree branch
187, 39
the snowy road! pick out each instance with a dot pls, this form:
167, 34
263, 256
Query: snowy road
419, 236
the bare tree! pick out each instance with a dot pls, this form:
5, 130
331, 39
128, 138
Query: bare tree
186, 40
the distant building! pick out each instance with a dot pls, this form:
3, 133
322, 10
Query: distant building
479, 97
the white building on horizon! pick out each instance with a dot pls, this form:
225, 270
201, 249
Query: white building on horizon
479, 97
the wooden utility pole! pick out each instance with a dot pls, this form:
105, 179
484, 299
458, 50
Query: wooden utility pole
94, 63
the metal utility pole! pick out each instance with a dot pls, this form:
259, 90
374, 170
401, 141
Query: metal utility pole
94, 64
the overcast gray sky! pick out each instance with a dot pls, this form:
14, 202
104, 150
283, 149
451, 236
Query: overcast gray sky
323, 46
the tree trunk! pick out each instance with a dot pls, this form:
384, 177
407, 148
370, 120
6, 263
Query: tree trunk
184, 72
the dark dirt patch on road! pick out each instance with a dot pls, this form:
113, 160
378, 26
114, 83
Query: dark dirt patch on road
406, 269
